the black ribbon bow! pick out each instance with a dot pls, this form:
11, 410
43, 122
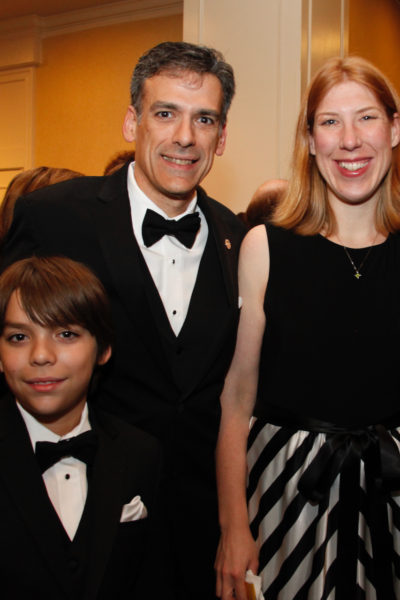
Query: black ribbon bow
82, 446
373, 444
154, 227
342, 453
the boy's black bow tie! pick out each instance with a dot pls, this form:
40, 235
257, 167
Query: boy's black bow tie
82, 446
154, 227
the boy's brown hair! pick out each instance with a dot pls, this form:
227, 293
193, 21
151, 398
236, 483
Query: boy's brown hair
57, 291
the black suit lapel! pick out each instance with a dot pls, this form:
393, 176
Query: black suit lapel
106, 491
219, 315
112, 217
227, 251
21, 476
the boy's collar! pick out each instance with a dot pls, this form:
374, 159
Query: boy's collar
39, 433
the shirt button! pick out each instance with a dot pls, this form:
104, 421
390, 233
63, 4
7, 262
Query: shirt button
174, 312
173, 261
67, 476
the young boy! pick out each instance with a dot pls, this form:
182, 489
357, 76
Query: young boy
77, 518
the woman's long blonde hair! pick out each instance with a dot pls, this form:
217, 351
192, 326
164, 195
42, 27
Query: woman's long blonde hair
305, 206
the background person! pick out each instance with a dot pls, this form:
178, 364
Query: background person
318, 336
25, 182
264, 201
118, 160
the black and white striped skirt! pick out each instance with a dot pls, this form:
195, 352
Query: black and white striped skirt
339, 538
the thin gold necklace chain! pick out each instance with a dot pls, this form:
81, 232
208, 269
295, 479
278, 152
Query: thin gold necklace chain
357, 273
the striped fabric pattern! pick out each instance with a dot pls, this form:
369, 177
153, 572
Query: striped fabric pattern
298, 539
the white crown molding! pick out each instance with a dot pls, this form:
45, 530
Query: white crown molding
89, 18
20, 43
12, 28
108, 14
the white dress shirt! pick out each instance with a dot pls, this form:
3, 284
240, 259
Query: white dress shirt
65, 481
172, 266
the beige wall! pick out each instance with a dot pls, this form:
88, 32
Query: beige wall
374, 33
262, 41
82, 91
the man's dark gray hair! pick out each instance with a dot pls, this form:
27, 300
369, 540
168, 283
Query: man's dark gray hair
176, 57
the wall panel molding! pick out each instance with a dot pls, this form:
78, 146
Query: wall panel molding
109, 14
20, 39
16, 123
20, 42
325, 33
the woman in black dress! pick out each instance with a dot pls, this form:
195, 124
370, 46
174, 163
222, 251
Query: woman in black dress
319, 338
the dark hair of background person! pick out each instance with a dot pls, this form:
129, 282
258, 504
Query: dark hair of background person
118, 160
57, 291
264, 201
25, 182
178, 57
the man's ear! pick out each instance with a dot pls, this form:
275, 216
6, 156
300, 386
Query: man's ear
105, 356
219, 150
130, 124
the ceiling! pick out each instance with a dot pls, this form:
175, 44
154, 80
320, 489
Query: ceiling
43, 8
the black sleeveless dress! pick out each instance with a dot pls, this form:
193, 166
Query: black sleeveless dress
323, 459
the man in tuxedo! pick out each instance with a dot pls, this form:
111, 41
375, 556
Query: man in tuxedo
167, 254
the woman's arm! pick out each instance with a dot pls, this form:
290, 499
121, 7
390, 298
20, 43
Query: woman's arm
237, 550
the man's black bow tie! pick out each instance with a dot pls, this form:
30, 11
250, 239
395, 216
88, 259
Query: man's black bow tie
82, 446
155, 227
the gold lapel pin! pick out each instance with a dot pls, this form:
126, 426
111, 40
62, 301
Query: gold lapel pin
228, 244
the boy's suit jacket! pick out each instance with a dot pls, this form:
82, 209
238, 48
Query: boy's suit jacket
166, 385
37, 560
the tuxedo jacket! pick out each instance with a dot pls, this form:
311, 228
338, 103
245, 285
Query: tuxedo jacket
166, 385
107, 559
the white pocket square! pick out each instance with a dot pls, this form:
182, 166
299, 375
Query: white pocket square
133, 511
